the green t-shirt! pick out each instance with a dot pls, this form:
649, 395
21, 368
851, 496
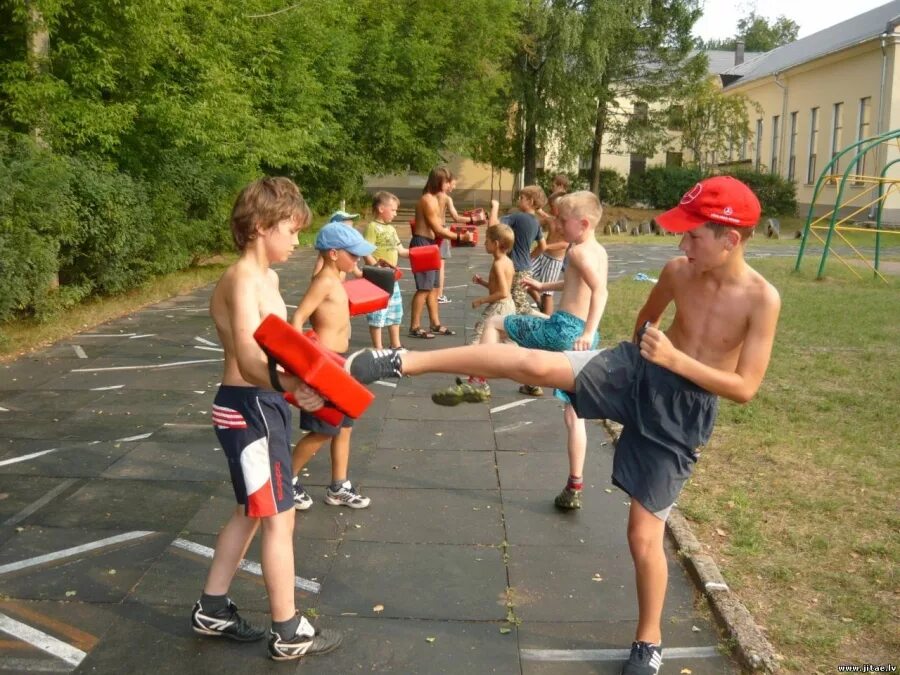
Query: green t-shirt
386, 241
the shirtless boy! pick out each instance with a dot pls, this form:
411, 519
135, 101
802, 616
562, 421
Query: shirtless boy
663, 387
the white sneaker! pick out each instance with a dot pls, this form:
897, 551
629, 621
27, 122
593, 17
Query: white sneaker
443, 299
346, 496
302, 500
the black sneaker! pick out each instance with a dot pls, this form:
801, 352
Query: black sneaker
307, 641
225, 623
645, 659
369, 365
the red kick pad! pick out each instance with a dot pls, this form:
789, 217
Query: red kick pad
471, 229
478, 216
314, 365
425, 258
365, 297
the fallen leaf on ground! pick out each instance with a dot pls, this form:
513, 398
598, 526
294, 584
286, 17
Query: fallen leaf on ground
505, 631
69, 594
378, 608
430, 639
721, 532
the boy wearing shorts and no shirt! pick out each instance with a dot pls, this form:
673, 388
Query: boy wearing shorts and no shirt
527, 230
663, 387
429, 223
326, 306
252, 423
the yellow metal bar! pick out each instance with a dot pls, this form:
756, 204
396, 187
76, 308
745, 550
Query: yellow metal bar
854, 229
861, 256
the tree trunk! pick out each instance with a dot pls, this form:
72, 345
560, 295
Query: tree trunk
597, 148
529, 161
38, 53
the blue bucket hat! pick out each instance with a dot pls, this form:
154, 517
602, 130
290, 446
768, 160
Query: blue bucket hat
337, 236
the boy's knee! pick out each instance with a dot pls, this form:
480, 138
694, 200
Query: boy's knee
280, 523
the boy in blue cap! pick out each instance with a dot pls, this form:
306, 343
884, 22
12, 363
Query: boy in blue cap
326, 307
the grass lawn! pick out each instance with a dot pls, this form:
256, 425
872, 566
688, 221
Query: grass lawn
796, 495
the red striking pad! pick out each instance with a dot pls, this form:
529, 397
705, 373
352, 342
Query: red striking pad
478, 216
471, 229
425, 258
365, 297
313, 364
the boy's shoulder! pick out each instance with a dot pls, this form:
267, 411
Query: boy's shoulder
590, 251
243, 272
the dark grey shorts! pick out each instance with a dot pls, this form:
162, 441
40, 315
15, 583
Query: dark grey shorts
664, 419
425, 281
312, 423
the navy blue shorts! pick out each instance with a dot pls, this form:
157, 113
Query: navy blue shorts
253, 426
664, 416
425, 281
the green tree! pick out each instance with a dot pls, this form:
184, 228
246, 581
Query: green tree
712, 122
653, 63
758, 34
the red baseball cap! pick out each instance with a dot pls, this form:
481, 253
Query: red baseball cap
720, 199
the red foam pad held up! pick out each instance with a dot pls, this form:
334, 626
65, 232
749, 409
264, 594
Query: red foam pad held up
425, 258
312, 364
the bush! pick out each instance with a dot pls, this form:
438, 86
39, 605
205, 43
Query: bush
777, 195
545, 179
661, 187
613, 188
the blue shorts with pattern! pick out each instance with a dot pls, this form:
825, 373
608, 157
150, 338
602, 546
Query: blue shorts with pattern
391, 315
557, 333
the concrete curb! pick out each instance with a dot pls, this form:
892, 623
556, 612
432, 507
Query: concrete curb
751, 647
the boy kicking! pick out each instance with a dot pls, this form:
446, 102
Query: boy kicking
253, 423
663, 387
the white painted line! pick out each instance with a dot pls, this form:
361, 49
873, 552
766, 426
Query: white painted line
79, 351
512, 427
209, 349
209, 343
185, 425
3, 410
460, 286
246, 565
514, 404
47, 643
9, 664
75, 550
613, 654
25, 458
385, 384
715, 586
128, 439
112, 386
43, 501
154, 365
105, 335
138, 337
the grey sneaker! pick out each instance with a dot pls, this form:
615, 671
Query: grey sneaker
224, 623
307, 641
369, 365
346, 496
645, 659
302, 500
568, 499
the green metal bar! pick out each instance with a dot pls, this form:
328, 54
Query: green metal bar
878, 217
869, 144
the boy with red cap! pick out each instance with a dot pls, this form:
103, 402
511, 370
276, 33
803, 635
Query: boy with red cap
663, 386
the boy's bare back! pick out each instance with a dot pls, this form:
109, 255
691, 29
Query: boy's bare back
242, 298
585, 275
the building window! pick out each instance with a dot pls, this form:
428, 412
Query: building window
759, 133
673, 158
865, 115
813, 142
776, 137
837, 126
792, 149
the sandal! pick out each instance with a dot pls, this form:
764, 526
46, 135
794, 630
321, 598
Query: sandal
420, 333
442, 330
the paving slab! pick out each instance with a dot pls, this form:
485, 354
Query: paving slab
520, 470
60, 459
437, 435
417, 468
417, 581
151, 460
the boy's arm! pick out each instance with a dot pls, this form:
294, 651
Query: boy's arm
494, 215
502, 290
539, 247
593, 272
315, 295
451, 209
433, 218
251, 360
739, 386
661, 295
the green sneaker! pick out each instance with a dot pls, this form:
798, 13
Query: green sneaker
531, 390
456, 394
568, 499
